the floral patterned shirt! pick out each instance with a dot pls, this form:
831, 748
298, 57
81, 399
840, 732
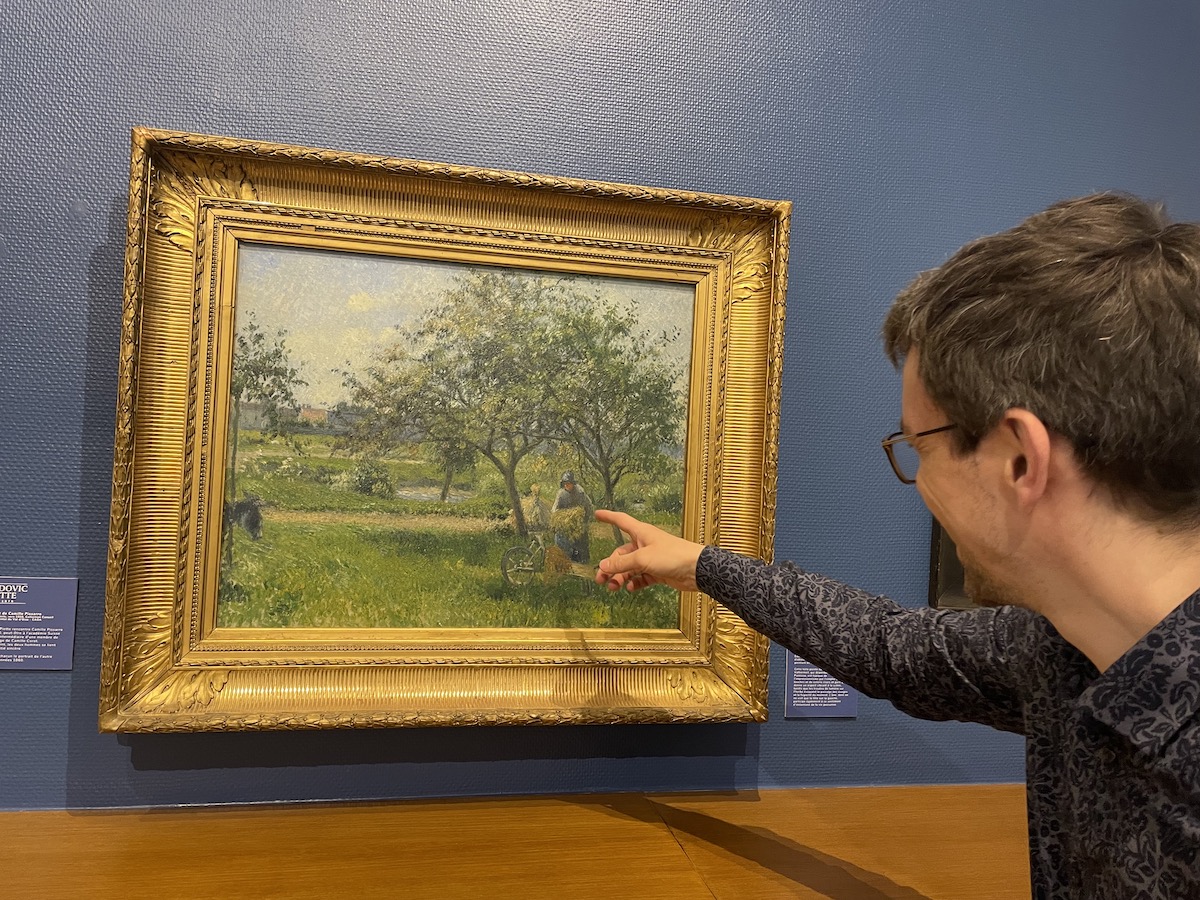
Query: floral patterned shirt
1112, 759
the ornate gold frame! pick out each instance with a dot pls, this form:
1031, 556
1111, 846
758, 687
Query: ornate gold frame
167, 667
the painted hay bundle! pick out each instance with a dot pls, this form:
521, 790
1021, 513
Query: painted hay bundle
557, 562
569, 522
537, 513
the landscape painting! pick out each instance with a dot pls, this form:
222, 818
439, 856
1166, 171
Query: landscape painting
367, 408
421, 444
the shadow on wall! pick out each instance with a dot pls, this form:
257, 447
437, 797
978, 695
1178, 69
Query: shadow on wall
102, 337
173, 752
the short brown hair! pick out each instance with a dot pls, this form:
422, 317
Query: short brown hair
1088, 316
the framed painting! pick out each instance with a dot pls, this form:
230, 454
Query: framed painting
367, 409
946, 579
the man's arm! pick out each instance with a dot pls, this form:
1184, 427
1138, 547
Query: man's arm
967, 665
934, 664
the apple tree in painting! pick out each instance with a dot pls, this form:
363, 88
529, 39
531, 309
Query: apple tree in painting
263, 373
504, 365
618, 403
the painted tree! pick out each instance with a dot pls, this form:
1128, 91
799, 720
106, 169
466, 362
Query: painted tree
262, 372
505, 364
472, 376
618, 401
452, 458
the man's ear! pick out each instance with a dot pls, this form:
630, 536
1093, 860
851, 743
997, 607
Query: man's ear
1026, 447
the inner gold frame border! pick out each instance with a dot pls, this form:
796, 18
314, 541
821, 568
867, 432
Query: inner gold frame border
193, 199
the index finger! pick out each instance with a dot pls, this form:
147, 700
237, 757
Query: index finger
624, 521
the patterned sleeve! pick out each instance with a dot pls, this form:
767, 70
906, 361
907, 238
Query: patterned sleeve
933, 664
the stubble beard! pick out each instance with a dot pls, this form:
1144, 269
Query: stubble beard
983, 588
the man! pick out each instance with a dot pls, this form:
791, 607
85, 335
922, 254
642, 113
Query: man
1051, 397
571, 517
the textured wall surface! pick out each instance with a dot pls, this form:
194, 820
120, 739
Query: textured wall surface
899, 130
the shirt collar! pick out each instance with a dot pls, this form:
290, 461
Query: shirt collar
1154, 689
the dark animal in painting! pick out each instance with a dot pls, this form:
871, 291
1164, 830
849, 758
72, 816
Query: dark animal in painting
247, 513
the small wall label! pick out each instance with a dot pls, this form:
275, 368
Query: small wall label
811, 693
37, 622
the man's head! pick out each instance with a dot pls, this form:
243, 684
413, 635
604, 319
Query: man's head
1086, 315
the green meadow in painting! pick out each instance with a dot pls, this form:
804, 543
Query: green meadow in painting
419, 444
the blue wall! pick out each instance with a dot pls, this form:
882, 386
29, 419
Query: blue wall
899, 130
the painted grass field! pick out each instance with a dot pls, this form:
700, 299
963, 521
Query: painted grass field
332, 556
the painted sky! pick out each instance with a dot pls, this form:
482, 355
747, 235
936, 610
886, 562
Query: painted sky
339, 308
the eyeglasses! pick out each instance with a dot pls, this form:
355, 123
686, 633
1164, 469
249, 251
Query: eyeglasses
903, 455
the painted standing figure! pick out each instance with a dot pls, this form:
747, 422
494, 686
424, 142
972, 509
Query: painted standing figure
570, 517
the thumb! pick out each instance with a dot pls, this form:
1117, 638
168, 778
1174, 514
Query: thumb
624, 559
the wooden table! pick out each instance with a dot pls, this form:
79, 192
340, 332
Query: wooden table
911, 842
